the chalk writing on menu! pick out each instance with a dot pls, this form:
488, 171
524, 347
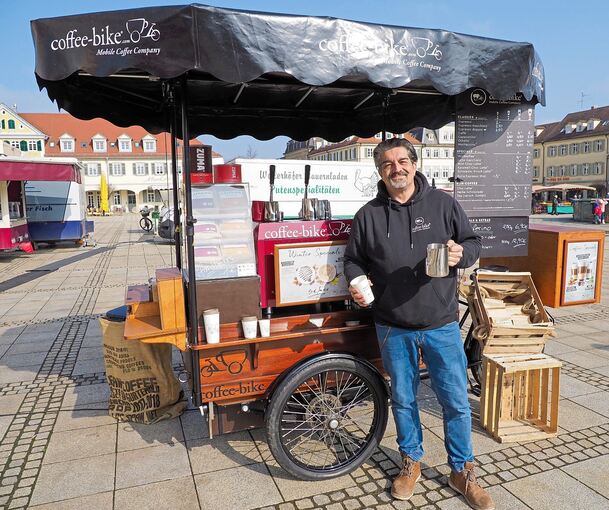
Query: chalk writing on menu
493, 148
502, 236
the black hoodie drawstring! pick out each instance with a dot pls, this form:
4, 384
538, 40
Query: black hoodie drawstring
410, 207
388, 213
410, 215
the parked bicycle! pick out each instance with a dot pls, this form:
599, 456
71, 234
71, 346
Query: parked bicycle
145, 222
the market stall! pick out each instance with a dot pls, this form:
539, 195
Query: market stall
204, 70
14, 172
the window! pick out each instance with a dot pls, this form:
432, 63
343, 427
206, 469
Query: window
2, 124
573, 169
117, 169
15, 144
99, 145
445, 172
597, 168
599, 145
23, 146
535, 171
369, 152
574, 148
93, 199
436, 153
586, 147
552, 151
446, 153
563, 150
67, 145
586, 169
116, 198
562, 170
149, 145
427, 153
150, 196
92, 169
159, 168
535, 153
32, 146
550, 171
140, 169
124, 145
11, 124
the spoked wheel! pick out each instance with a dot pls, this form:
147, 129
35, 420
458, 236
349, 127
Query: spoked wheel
146, 224
326, 419
474, 358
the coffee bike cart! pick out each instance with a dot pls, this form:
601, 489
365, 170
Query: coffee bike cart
316, 382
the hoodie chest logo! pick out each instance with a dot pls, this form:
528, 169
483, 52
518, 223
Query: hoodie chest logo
419, 224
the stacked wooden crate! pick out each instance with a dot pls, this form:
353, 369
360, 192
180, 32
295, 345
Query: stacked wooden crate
519, 399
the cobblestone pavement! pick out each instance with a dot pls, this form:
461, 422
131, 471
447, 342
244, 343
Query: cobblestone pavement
60, 450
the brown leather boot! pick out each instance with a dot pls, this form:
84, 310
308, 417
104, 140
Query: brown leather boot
403, 484
465, 483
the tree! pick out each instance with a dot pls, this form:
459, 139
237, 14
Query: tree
251, 152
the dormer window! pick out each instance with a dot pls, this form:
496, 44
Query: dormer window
124, 143
66, 143
99, 144
581, 126
593, 123
569, 128
149, 144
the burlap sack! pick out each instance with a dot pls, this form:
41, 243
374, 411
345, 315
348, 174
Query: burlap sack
143, 387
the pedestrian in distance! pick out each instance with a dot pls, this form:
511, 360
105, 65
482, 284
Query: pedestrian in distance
411, 310
555, 204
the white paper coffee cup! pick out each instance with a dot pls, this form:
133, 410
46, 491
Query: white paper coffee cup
211, 320
362, 284
265, 327
250, 326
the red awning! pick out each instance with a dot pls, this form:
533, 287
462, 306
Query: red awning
38, 171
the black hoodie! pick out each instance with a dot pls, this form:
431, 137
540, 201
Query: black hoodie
389, 243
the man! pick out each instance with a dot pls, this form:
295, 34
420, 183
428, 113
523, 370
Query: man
555, 204
388, 243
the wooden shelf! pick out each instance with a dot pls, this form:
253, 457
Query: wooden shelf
157, 315
301, 333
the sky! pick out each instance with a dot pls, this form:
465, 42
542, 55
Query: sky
569, 37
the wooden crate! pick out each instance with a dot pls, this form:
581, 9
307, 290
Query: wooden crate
519, 400
495, 317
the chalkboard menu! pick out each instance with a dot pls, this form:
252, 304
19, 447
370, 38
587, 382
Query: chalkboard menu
502, 236
493, 153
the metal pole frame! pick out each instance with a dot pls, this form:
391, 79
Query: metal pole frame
173, 128
191, 284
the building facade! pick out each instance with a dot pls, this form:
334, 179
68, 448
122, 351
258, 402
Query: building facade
574, 150
437, 159
20, 134
435, 150
135, 164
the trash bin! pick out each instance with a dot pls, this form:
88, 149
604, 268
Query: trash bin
143, 387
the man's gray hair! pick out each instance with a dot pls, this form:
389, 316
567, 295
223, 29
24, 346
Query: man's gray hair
393, 143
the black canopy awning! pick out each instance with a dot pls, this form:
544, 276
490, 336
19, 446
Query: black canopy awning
267, 74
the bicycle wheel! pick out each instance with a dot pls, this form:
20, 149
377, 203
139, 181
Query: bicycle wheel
146, 224
473, 353
327, 419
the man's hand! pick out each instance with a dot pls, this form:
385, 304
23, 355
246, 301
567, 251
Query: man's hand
455, 253
358, 297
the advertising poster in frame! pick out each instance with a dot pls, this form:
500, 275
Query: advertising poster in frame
580, 272
310, 273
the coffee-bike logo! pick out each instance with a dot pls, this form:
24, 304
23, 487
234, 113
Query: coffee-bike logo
136, 30
407, 50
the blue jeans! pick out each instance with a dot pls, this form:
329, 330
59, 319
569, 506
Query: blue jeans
444, 356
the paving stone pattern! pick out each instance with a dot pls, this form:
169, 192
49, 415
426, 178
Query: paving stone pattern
31, 462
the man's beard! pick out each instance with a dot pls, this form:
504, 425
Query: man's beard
399, 183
